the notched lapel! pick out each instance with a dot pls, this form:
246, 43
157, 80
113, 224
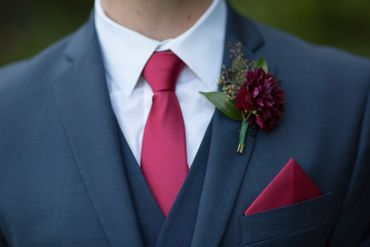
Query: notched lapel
226, 169
225, 173
83, 101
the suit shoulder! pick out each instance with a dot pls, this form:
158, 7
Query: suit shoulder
285, 42
324, 62
32, 72
25, 86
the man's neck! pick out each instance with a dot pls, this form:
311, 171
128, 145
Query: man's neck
156, 19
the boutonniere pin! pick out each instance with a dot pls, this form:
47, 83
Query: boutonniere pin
249, 94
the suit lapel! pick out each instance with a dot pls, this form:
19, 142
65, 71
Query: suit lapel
226, 169
85, 110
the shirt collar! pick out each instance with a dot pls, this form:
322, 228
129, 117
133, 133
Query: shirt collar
125, 52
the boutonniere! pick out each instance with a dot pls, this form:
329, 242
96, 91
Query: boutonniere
249, 94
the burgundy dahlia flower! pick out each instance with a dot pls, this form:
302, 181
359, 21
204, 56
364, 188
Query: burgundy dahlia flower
261, 99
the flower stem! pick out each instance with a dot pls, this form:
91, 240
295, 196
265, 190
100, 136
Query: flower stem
242, 135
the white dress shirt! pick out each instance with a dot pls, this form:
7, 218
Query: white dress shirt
125, 53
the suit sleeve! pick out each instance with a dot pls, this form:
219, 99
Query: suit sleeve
353, 226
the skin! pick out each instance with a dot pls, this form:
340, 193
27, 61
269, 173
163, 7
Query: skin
156, 19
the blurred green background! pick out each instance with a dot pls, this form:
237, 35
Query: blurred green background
29, 26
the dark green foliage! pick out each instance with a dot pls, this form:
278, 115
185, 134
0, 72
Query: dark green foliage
28, 26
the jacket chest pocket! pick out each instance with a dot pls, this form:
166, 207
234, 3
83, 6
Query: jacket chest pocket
307, 219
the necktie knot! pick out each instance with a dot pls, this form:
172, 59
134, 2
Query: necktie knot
162, 71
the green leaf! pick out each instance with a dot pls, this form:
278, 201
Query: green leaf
222, 103
261, 63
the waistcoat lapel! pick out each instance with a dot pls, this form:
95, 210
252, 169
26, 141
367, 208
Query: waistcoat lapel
149, 215
178, 229
85, 110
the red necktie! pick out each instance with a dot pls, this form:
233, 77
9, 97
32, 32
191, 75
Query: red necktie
163, 155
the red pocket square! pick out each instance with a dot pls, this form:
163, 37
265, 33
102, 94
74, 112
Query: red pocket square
291, 185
